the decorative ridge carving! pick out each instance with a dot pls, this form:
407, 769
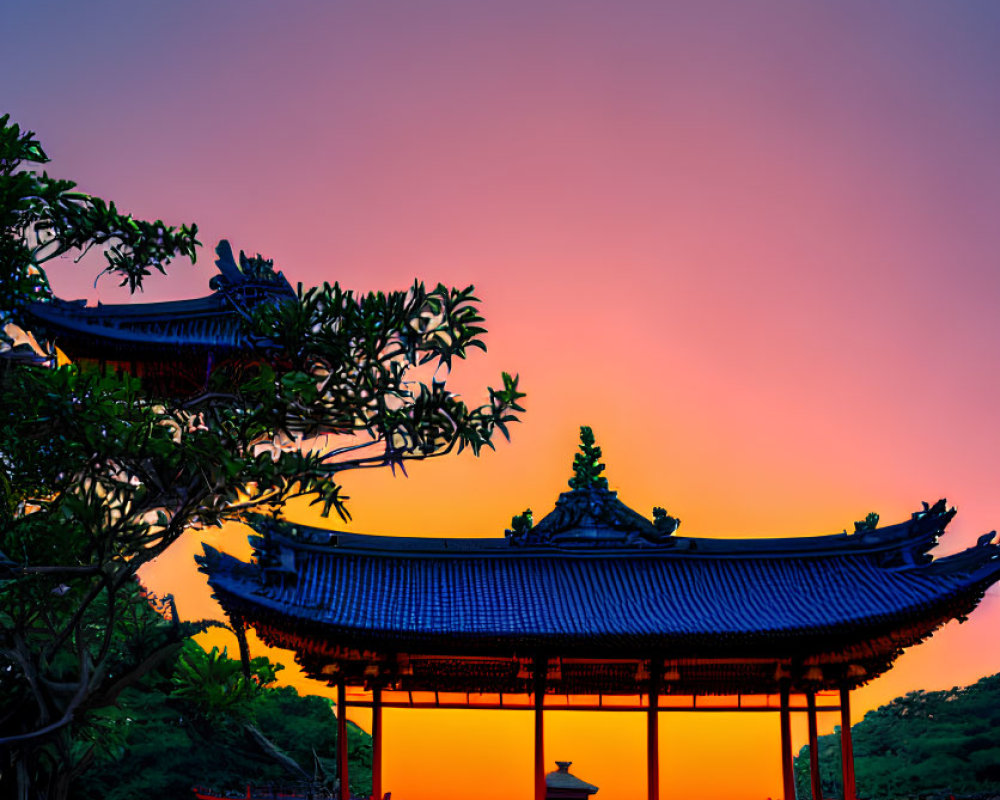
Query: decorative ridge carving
257, 271
590, 513
914, 539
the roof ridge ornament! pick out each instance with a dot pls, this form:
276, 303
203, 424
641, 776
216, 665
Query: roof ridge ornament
255, 270
587, 466
590, 514
869, 523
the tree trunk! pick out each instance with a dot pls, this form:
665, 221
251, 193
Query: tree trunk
269, 749
30, 782
239, 628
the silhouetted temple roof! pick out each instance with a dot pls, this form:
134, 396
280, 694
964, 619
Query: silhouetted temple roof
595, 580
131, 330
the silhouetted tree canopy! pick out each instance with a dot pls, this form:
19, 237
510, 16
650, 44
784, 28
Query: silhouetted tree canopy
103, 472
922, 745
198, 722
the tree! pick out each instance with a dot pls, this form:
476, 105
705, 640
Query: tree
921, 745
102, 473
42, 218
197, 721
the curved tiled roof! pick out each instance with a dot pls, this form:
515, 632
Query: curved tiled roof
206, 323
633, 596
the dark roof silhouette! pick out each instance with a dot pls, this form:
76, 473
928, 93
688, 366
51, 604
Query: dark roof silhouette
211, 323
594, 580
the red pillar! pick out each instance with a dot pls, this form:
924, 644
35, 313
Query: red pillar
817, 787
846, 745
345, 791
653, 741
787, 776
539, 688
376, 743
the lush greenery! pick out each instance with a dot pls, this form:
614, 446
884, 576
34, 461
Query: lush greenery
101, 473
198, 721
922, 745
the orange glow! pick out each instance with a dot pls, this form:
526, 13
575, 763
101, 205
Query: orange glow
753, 245
430, 752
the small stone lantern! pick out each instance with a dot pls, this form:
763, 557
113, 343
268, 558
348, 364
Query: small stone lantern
561, 785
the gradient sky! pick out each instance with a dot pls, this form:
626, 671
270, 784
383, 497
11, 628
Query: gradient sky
754, 245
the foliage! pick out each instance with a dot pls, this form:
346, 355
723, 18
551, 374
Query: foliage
921, 745
112, 641
218, 684
345, 371
98, 481
101, 473
42, 218
587, 466
190, 724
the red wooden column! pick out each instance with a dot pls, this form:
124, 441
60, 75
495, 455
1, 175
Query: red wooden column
653, 739
787, 776
817, 787
539, 687
377, 743
345, 791
846, 745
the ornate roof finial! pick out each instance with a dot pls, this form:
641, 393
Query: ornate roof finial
869, 523
587, 467
590, 514
520, 527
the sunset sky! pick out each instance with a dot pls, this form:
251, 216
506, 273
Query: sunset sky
753, 245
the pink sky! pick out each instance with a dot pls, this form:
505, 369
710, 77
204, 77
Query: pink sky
753, 245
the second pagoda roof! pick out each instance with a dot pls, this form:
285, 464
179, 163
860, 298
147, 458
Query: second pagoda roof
211, 323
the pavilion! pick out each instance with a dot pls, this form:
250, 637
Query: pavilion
596, 607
